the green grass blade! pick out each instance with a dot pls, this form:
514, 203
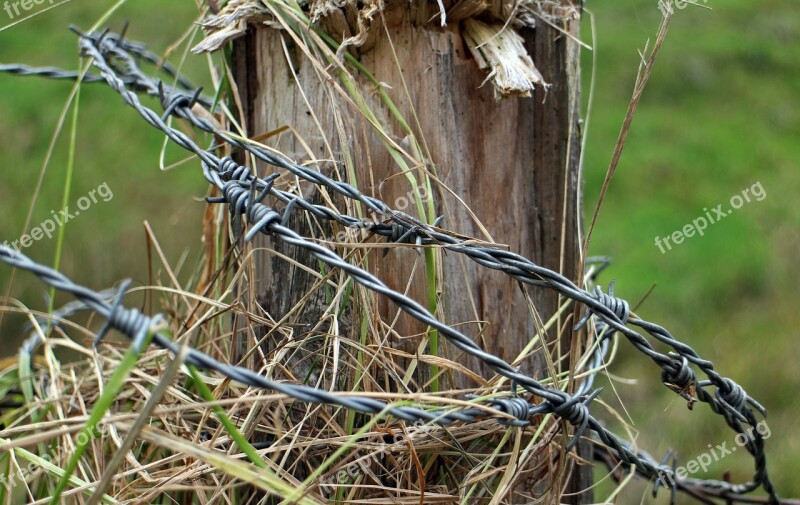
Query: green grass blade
109, 396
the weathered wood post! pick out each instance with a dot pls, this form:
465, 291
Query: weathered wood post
491, 103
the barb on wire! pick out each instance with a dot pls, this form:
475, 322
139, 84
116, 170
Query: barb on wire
30, 344
139, 51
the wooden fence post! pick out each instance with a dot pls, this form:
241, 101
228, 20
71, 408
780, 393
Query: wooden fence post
510, 166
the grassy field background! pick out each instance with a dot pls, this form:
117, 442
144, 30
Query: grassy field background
720, 114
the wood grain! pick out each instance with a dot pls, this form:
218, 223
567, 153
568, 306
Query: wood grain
513, 162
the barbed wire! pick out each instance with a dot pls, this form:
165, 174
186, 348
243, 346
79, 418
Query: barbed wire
140, 50
611, 310
55, 73
132, 323
135, 325
729, 400
244, 193
238, 188
128, 52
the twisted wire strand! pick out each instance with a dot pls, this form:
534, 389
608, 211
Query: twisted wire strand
134, 324
728, 400
122, 49
55, 73
130, 81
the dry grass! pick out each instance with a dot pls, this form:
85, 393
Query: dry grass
180, 449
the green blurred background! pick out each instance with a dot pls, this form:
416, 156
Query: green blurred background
720, 114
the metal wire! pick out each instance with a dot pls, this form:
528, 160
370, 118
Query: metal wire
54, 73
132, 323
128, 52
239, 193
729, 399
140, 51
609, 313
